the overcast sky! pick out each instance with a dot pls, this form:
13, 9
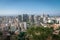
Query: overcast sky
37, 7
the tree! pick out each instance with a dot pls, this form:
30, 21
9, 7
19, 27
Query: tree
21, 36
39, 33
1, 33
56, 37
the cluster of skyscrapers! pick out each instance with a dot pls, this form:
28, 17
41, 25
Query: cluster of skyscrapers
22, 22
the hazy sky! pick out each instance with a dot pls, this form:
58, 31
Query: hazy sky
16, 7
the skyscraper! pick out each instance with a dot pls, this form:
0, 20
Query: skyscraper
25, 18
32, 18
20, 18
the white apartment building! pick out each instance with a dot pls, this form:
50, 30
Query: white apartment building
58, 19
23, 26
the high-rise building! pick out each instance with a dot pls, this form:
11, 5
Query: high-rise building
20, 18
41, 20
45, 18
37, 20
32, 18
25, 18
23, 26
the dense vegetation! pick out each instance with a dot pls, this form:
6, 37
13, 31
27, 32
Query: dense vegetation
40, 33
37, 33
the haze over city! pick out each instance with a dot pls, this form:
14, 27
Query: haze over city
36, 7
29, 19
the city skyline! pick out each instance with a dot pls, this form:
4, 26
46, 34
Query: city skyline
36, 7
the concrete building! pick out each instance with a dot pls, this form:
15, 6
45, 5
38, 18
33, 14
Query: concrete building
58, 20
25, 18
31, 19
37, 20
20, 18
23, 26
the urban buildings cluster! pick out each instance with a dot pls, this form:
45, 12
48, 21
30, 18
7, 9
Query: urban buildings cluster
22, 22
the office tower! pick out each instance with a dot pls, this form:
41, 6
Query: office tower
25, 18
20, 18
41, 19
45, 18
32, 18
38, 19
